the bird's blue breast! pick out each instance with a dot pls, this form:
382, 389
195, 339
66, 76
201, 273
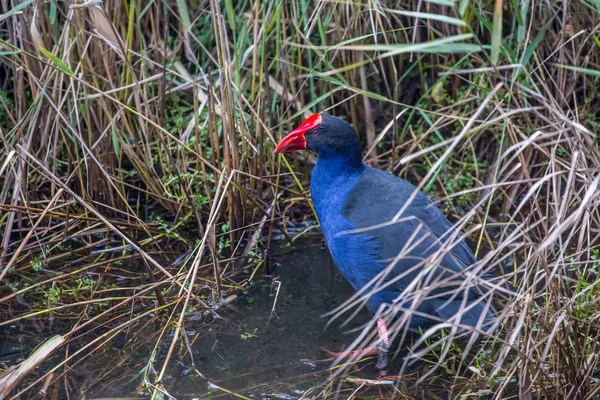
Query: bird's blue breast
355, 254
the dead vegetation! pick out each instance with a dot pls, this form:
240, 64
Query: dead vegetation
139, 183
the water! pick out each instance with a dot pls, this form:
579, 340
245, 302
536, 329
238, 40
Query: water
266, 345
269, 344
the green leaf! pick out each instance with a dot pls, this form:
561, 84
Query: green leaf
447, 3
462, 7
586, 71
529, 51
53, 10
183, 12
359, 38
57, 61
274, 19
406, 47
443, 45
497, 32
230, 14
434, 17
115, 141
15, 10
523, 15
520, 20
145, 10
455, 48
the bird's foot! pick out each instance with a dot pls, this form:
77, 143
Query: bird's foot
381, 350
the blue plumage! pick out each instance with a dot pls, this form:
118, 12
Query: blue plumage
356, 206
354, 254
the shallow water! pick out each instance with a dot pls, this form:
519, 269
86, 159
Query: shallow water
266, 345
270, 343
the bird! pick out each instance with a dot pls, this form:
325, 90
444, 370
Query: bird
382, 230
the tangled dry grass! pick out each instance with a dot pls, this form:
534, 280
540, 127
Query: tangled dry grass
139, 183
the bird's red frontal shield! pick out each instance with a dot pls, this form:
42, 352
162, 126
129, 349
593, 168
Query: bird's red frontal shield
295, 140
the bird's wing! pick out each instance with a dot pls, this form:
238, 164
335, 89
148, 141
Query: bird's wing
421, 230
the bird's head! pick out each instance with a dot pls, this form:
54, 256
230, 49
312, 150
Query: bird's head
325, 135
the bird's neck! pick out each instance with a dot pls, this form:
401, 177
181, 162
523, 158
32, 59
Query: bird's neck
336, 169
331, 181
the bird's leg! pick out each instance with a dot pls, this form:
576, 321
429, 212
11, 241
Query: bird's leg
381, 350
384, 344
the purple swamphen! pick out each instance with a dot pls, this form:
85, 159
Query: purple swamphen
357, 207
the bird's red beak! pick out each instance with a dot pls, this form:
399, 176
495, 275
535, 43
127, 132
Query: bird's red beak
295, 140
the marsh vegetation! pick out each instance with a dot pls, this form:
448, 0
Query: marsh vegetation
141, 199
